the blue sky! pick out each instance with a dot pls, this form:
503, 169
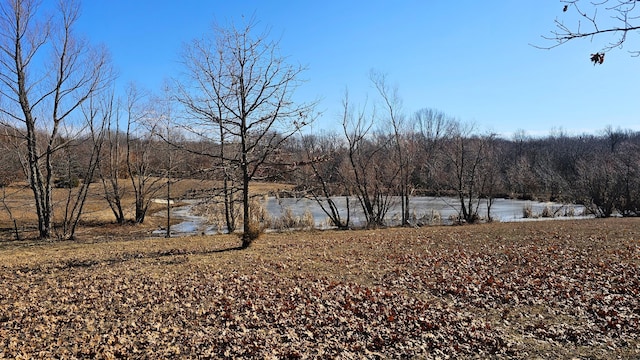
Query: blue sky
470, 59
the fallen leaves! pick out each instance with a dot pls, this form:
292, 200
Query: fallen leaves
496, 291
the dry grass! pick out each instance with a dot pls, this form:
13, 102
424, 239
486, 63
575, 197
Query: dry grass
96, 212
557, 289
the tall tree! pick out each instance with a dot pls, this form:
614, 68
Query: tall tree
90, 145
433, 127
243, 88
46, 74
371, 175
171, 137
112, 165
402, 143
142, 139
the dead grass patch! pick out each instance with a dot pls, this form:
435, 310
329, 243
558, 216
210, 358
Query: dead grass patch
528, 290
96, 212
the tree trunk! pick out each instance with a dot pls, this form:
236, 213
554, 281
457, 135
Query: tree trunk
247, 236
168, 234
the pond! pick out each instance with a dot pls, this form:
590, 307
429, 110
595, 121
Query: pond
427, 208
424, 211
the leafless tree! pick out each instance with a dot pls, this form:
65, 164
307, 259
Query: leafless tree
143, 162
46, 74
10, 170
628, 155
491, 171
607, 181
199, 95
242, 86
598, 182
171, 139
90, 145
615, 137
432, 127
402, 140
467, 154
325, 157
589, 19
112, 165
371, 174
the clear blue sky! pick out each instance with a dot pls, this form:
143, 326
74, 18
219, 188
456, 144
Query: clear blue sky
470, 59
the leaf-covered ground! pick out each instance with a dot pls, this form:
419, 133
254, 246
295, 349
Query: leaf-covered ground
558, 289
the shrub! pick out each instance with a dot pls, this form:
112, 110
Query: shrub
435, 218
289, 221
67, 183
455, 219
254, 231
570, 211
527, 211
258, 213
258, 221
307, 221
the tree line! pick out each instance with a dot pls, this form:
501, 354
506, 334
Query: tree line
441, 156
374, 161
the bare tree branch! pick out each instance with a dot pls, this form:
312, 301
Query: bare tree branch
581, 19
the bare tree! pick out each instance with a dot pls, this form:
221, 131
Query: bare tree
615, 137
208, 124
170, 159
91, 144
628, 203
142, 138
171, 138
10, 170
598, 182
112, 164
46, 74
433, 127
467, 154
325, 156
491, 171
607, 181
241, 84
588, 19
402, 142
520, 180
371, 173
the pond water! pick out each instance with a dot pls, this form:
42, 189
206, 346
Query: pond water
423, 210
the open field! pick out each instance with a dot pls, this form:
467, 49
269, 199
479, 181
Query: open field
558, 289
